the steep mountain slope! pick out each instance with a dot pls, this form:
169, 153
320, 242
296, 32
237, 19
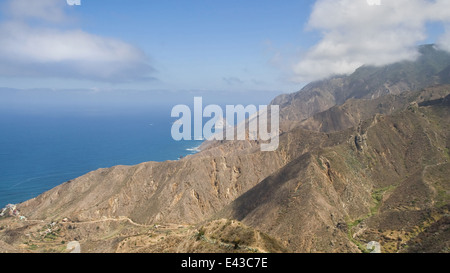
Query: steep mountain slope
367, 82
381, 181
353, 111
184, 191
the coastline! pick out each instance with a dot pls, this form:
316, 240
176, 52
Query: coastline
29, 190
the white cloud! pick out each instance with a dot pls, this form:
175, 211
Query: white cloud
48, 10
27, 49
374, 2
357, 32
444, 40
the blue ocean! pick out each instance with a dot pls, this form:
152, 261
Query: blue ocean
48, 137
39, 151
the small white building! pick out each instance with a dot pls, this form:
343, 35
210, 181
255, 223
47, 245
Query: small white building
374, 247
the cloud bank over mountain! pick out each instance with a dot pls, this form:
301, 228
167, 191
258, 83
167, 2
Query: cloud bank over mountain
354, 33
37, 42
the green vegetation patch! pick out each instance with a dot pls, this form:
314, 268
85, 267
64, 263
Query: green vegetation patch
377, 197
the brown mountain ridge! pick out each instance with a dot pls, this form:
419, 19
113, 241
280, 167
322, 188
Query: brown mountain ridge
356, 168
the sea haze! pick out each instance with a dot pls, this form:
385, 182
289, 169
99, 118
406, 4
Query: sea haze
39, 151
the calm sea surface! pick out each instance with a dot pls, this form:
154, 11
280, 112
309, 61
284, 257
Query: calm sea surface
40, 151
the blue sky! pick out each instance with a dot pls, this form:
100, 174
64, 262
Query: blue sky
193, 45
254, 46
